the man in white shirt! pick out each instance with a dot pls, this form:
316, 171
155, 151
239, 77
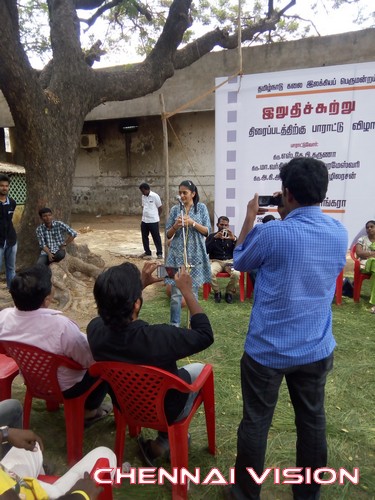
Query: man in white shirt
152, 209
32, 322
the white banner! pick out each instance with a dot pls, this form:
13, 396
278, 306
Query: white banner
264, 120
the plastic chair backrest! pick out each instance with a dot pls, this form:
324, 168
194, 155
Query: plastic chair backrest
39, 368
353, 254
140, 390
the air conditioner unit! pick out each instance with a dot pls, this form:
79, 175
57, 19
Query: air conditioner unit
89, 141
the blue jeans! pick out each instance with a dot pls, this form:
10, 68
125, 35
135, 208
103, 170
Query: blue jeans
260, 389
11, 416
176, 299
194, 370
9, 256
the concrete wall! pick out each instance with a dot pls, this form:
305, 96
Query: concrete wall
107, 177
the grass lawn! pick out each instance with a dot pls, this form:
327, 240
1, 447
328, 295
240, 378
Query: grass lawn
350, 397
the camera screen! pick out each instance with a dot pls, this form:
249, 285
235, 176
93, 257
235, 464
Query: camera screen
266, 201
166, 271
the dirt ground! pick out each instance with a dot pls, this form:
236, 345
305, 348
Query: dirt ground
115, 238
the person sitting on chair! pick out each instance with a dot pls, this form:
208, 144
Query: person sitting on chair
22, 463
365, 250
118, 334
220, 246
33, 323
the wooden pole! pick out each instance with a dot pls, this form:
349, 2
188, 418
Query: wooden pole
166, 167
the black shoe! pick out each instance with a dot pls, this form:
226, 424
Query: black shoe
228, 298
217, 297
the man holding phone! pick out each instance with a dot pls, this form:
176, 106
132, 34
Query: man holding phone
118, 334
290, 329
220, 246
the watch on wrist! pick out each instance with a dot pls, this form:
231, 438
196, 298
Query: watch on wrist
4, 434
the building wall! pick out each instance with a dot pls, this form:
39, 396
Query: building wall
107, 177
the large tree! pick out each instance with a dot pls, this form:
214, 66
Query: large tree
49, 106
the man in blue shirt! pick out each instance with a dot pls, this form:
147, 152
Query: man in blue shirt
290, 330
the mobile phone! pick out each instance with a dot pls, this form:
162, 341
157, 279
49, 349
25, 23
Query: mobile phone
224, 232
166, 271
268, 200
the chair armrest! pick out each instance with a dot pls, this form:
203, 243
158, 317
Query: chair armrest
202, 378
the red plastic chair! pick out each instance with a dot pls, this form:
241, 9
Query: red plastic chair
359, 276
39, 370
101, 463
8, 371
241, 283
140, 391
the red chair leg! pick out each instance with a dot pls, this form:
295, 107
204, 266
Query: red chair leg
120, 437
242, 286
209, 409
338, 292
74, 423
179, 451
27, 410
206, 290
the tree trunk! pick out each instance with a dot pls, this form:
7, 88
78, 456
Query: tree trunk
49, 182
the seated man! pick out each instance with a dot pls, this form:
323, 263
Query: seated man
119, 335
53, 237
220, 246
32, 323
25, 460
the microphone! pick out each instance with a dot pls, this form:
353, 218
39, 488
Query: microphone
178, 198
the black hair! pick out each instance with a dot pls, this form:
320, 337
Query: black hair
268, 218
115, 291
144, 185
306, 179
222, 217
4, 177
30, 287
44, 210
193, 188
370, 222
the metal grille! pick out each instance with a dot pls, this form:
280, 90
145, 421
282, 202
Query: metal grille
18, 188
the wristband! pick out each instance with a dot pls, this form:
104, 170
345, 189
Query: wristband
194, 224
82, 493
5, 434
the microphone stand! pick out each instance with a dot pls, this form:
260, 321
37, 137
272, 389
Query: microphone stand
183, 233
186, 264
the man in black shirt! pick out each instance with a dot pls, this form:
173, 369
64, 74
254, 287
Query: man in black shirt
220, 246
117, 334
8, 237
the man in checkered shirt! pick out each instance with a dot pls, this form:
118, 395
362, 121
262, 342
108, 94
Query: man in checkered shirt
53, 237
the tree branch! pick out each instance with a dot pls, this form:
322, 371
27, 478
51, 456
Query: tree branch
15, 68
220, 38
91, 20
287, 7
